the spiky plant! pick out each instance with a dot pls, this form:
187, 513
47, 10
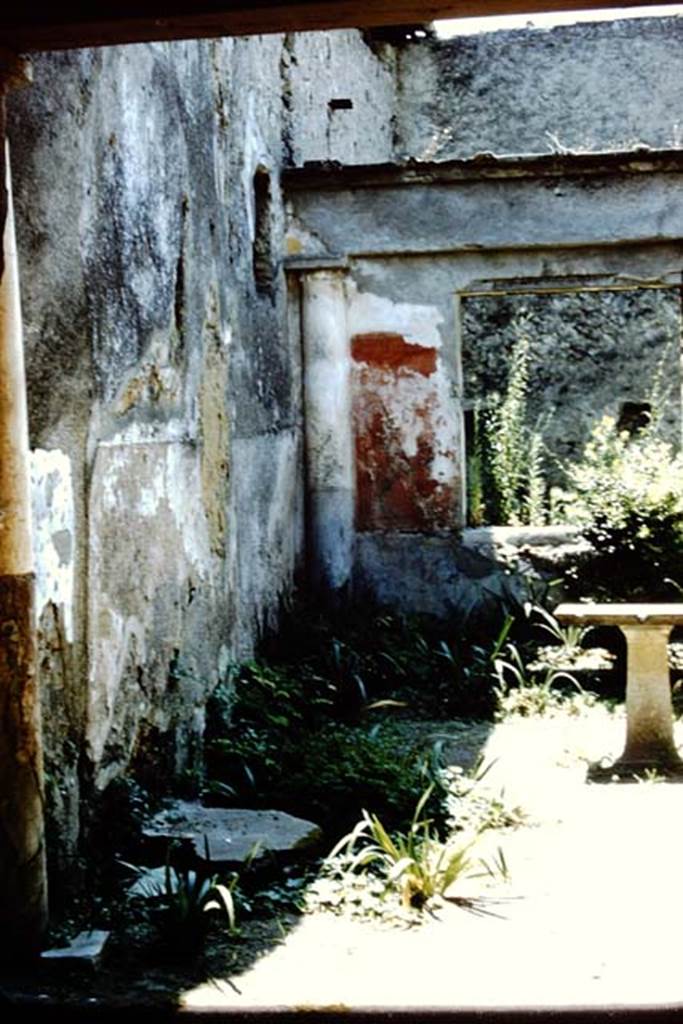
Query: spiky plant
415, 863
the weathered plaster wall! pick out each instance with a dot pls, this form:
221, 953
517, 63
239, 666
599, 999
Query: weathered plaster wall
340, 98
587, 87
164, 376
412, 243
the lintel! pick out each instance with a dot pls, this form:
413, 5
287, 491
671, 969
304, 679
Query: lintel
75, 24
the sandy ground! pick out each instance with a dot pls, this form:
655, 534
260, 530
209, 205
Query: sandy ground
590, 914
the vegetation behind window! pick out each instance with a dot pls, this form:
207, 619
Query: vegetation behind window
543, 372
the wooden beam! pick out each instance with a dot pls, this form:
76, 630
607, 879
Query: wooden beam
72, 25
23, 880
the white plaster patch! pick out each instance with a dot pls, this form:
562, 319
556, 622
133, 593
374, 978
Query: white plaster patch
267, 541
148, 536
171, 480
417, 324
117, 636
53, 532
284, 488
183, 489
255, 156
224, 661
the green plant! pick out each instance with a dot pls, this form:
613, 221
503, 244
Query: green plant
333, 773
484, 658
651, 777
186, 900
627, 495
622, 473
279, 696
190, 896
567, 652
514, 452
473, 668
476, 471
473, 806
525, 690
346, 669
292, 741
535, 499
283, 897
415, 864
326, 774
569, 637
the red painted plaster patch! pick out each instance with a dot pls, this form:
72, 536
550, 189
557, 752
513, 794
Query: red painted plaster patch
395, 491
388, 351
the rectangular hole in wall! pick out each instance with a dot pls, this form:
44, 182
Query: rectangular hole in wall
589, 352
262, 254
340, 104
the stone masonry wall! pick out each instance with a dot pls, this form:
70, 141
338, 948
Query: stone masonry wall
586, 87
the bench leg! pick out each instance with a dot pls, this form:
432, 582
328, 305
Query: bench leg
649, 713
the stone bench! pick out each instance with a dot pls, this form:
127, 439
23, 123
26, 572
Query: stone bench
649, 713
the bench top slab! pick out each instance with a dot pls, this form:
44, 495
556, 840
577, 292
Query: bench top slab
651, 614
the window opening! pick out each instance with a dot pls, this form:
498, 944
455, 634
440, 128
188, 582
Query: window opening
544, 369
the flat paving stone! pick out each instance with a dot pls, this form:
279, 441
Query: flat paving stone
231, 835
85, 950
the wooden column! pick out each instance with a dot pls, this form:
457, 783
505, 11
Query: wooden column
23, 886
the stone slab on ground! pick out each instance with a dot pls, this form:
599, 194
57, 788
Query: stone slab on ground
232, 836
84, 951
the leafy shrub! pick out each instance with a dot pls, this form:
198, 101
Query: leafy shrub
621, 475
340, 770
315, 729
321, 668
627, 494
327, 774
357, 656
